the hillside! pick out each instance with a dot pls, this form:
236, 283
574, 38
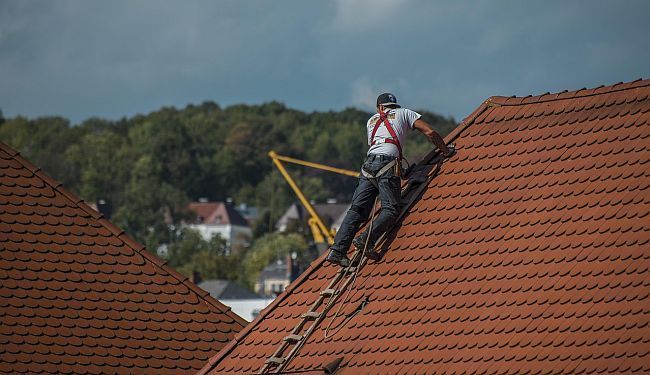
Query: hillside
148, 165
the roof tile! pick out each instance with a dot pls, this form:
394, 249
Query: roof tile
525, 253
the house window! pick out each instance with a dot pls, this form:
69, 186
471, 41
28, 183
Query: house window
277, 288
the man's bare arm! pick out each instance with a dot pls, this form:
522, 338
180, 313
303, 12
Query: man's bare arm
434, 137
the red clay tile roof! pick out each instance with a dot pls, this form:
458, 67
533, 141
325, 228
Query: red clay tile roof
218, 213
77, 295
526, 253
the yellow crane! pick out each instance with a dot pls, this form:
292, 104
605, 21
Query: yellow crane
319, 230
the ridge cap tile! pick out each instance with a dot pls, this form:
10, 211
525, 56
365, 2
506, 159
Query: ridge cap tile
583, 92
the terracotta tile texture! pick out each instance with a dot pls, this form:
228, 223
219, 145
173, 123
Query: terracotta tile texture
77, 295
528, 252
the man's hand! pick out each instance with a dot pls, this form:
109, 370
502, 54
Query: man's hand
452, 150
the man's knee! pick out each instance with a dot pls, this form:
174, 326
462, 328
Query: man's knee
359, 211
392, 214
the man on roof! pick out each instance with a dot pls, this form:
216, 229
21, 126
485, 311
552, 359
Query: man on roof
380, 174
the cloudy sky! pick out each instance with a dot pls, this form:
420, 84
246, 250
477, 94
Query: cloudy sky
118, 58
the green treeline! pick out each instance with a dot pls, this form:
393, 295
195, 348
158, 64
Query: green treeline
149, 167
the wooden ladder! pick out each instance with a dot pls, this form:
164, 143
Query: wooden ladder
302, 331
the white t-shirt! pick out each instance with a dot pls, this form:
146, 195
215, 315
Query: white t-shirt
400, 119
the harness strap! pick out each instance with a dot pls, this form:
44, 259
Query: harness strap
374, 177
383, 119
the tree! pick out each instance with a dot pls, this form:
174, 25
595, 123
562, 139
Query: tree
103, 161
151, 205
191, 253
188, 243
261, 225
271, 247
211, 266
150, 166
43, 141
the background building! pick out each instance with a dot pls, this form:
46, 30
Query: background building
220, 218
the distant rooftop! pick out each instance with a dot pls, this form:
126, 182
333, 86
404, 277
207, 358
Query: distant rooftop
217, 213
330, 213
226, 289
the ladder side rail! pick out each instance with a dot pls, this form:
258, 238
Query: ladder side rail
278, 352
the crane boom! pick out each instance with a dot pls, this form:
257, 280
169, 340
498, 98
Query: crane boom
324, 167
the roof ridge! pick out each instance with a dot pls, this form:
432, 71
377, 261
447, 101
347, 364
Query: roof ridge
468, 121
234, 217
498, 100
120, 234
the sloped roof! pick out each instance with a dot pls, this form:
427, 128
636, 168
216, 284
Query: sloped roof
218, 213
526, 253
277, 269
226, 289
328, 212
77, 295
294, 212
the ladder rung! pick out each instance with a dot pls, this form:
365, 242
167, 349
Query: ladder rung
293, 338
312, 315
328, 292
350, 269
275, 360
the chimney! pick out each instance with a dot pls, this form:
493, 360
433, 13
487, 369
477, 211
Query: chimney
104, 207
288, 263
292, 266
196, 277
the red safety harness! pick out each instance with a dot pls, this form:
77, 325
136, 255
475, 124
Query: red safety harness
383, 119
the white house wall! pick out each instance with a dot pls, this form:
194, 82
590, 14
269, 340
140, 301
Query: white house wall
227, 232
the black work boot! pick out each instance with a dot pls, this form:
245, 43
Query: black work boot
372, 255
360, 242
338, 258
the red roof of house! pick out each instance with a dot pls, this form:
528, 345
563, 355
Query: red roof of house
217, 213
526, 253
77, 295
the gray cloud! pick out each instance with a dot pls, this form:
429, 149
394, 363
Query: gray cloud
80, 58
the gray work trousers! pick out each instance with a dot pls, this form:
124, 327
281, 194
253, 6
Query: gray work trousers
388, 188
